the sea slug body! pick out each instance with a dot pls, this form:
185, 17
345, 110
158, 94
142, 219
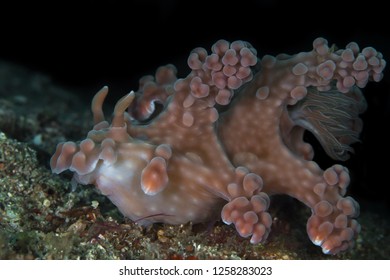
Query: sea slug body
230, 135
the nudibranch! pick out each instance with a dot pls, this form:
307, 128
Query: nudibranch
217, 143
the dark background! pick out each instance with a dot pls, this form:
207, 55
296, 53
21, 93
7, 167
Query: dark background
88, 44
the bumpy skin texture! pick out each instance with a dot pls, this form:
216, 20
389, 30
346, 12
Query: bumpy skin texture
228, 136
